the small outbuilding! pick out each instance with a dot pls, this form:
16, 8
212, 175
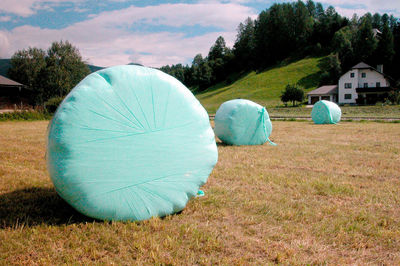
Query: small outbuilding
327, 92
12, 94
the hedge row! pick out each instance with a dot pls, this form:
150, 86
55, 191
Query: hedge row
25, 116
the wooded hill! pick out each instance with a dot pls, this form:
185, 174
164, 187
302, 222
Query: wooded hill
297, 30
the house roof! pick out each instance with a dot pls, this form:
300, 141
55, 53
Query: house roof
362, 65
328, 89
8, 82
376, 32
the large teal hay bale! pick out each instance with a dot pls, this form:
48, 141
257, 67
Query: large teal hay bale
242, 122
326, 112
129, 143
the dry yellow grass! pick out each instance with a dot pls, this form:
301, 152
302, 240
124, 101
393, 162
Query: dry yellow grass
326, 194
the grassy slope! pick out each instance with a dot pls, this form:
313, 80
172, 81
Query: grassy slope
325, 195
265, 87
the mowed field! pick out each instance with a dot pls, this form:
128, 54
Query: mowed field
326, 194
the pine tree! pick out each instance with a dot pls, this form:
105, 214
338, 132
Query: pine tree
244, 47
218, 49
385, 49
312, 10
376, 21
365, 42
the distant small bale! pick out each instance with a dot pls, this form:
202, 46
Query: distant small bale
242, 122
326, 112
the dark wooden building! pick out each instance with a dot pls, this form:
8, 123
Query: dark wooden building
13, 94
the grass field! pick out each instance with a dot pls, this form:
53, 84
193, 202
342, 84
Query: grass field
386, 111
264, 87
327, 194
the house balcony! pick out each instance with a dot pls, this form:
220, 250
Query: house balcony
372, 95
373, 89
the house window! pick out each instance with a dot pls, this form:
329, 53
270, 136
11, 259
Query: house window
363, 75
347, 96
351, 75
347, 85
378, 84
365, 85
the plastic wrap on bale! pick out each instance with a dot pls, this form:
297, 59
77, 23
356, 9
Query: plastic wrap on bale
242, 122
130, 143
326, 112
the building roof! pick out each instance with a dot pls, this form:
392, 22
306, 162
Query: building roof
328, 89
8, 82
362, 65
376, 32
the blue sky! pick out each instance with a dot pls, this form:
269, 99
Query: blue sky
153, 33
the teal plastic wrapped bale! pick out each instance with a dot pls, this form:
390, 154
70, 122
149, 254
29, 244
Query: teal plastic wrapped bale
242, 122
130, 143
326, 112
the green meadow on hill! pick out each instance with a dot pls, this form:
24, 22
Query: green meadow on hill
265, 87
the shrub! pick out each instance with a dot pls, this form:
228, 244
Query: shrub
24, 115
394, 96
52, 104
360, 100
292, 93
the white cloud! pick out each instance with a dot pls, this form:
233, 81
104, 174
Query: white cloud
107, 39
176, 15
5, 18
25, 8
350, 12
4, 45
349, 7
77, 9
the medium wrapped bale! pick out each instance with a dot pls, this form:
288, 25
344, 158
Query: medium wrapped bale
242, 122
129, 143
326, 112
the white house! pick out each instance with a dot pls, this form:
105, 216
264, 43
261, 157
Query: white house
364, 82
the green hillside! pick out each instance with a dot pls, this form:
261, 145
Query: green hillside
264, 88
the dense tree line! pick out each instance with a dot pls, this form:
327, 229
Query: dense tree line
205, 71
48, 74
295, 30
